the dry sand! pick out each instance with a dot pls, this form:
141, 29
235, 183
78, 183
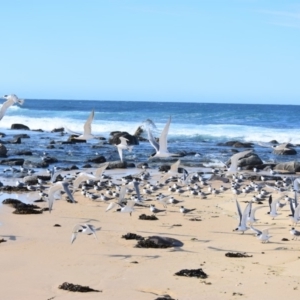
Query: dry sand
38, 257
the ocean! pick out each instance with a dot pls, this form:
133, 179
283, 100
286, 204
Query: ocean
195, 128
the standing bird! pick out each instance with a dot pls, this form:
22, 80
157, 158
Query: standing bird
10, 100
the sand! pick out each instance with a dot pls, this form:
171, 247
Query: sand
37, 257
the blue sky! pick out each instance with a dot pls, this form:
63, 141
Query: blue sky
238, 51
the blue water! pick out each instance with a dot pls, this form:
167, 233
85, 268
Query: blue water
195, 127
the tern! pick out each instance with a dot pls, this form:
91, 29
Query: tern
83, 228
10, 100
242, 217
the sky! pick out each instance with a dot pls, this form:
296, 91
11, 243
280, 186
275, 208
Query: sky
232, 51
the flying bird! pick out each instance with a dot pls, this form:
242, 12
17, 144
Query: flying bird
83, 228
10, 100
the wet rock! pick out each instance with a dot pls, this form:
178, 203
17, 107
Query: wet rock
61, 129
132, 236
3, 150
2, 135
158, 242
114, 138
145, 217
21, 136
120, 165
50, 146
284, 149
237, 254
97, 160
33, 179
13, 162
19, 127
34, 164
292, 166
198, 273
22, 208
24, 152
138, 134
14, 189
76, 288
50, 160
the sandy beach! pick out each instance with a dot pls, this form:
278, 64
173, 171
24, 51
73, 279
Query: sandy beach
38, 257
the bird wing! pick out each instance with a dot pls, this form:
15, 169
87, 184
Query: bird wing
70, 131
239, 211
73, 237
122, 193
123, 141
235, 159
87, 127
80, 178
258, 232
152, 140
51, 193
174, 167
98, 172
5, 106
111, 206
65, 186
120, 151
92, 230
245, 215
136, 185
163, 143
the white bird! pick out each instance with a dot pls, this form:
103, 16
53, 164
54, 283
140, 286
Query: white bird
242, 217
173, 171
295, 233
10, 100
55, 188
251, 218
262, 235
83, 228
161, 147
87, 129
128, 208
123, 146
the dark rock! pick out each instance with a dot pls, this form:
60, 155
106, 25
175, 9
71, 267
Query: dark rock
19, 127
236, 144
21, 136
237, 254
50, 147
13, 162
50, 160
145, 217
3, 150
61, 129
34, 164
17, 189
24, 152
132, 236
22, 208
2, 135
158, 242
72, 140
76, 288
30, 179
120, 165
198, 273
38, 130
285, 151
97, 160
114, 138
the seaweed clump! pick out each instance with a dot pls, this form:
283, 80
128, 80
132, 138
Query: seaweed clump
199, 273
76, 288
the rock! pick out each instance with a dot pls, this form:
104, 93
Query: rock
2, 135
22, 208
13, 162
138, 134
61, 129
120, 165
132, 236
236, 144
158, 242
22, 136
292, 166
30, 179
72, 140
284, 149
34, 164
50, 160
76, 288
3, 150
249, 161
237, 254
198, 273
145, 217
50, 146
114, 138
19, 127
97, 160
24, 152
